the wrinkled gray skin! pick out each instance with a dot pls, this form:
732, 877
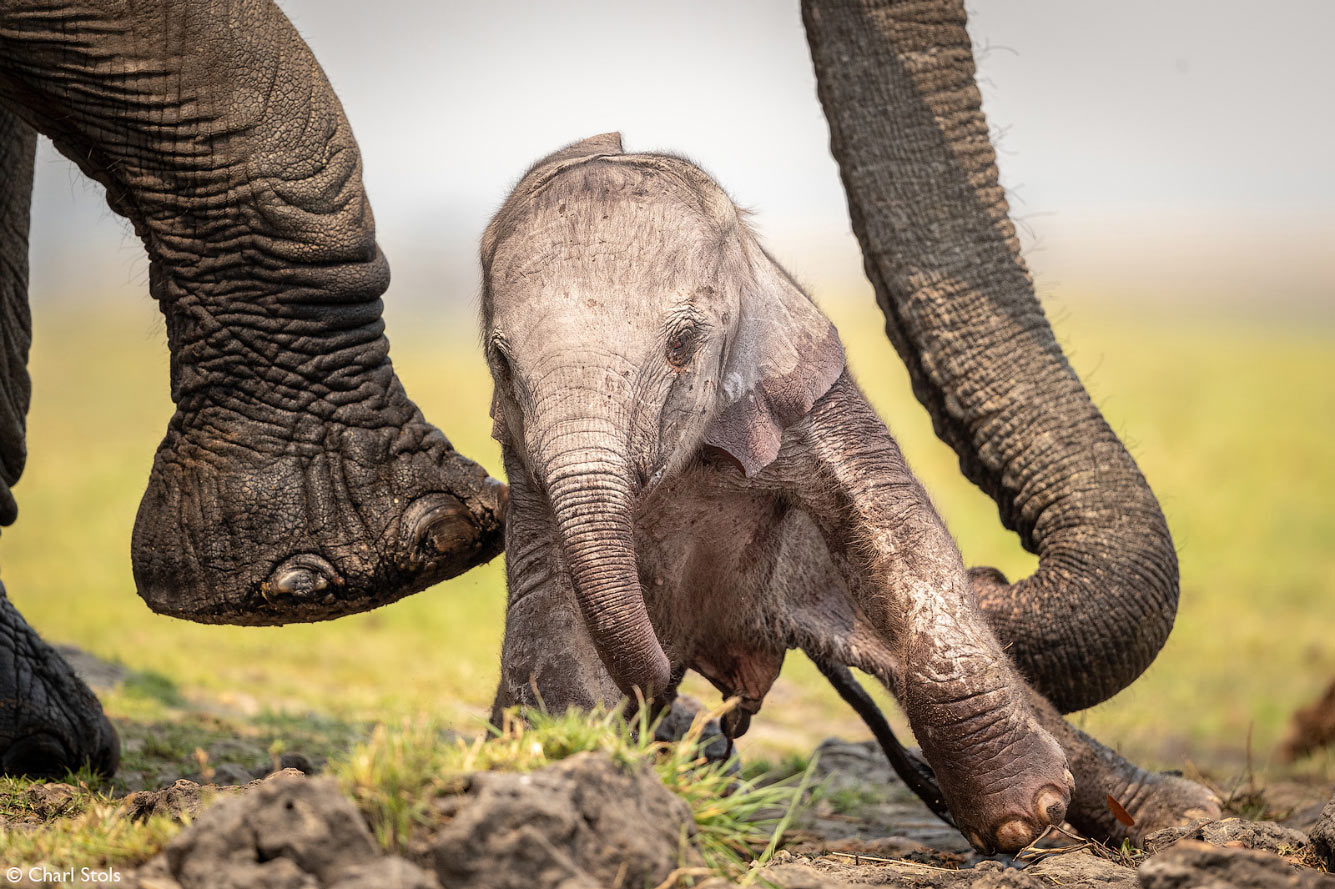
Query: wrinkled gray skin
296, 480
697, 483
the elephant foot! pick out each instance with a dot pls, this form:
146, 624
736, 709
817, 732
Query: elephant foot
1155, 800
1004, 778
50, 721
1149, 801
260, 514
714, 745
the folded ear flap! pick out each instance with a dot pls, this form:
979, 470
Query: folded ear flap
601, 144
784, 356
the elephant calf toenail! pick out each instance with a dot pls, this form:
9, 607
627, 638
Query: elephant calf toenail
1015, 834
1052, 804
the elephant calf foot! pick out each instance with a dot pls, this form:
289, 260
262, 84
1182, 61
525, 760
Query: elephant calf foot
1153, 800
677, 722
50, 722
1003, 776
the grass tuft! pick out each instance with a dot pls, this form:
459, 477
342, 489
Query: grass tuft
394, 776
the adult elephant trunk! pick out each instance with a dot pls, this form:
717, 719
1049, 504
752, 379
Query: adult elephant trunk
588, 481
896, 80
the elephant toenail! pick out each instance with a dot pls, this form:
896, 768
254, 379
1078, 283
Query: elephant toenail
301, 576
437, 528
1014, 835
976, 840
1052, 805
299, 581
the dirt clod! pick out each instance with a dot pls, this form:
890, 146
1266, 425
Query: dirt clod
288, 832
1313, 727
185, 798
47, 801
584, 821
1191, 864
1266, 836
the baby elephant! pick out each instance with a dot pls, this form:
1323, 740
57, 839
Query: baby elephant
697, 483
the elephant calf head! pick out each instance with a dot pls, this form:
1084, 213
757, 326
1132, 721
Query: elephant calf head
629, 319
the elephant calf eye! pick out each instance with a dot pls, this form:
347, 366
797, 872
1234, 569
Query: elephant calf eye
680, 346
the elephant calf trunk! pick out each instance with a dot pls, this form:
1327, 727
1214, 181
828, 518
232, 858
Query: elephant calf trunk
591, 502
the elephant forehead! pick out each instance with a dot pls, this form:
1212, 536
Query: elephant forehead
593, 239
556, 315
646, 210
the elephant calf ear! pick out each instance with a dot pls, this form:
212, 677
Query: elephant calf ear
784, 356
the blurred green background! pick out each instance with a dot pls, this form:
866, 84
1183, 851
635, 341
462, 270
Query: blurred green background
1232, 419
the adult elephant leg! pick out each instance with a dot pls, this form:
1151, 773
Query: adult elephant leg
906, 123
296, 480
49, 720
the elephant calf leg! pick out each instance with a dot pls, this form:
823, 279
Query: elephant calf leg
1004, 778
1152, 799
50, 722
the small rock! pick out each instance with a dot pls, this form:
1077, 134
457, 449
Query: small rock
1190, 864
1323, 835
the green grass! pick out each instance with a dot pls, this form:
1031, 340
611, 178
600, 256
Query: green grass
395, 776
88, 829
398, 773
1231, 419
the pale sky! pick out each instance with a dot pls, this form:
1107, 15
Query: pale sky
1152, 148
